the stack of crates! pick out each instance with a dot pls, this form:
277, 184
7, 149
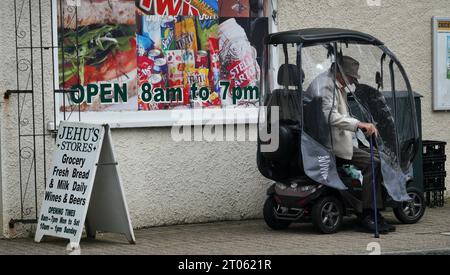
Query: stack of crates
434, 173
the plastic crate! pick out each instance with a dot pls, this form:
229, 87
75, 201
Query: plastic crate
434, 180
434, 164
433, 148
435, 198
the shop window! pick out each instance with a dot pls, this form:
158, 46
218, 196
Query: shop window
143, 63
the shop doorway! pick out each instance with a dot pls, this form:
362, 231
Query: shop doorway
33, 99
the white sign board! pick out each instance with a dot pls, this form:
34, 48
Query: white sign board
84, 186
441, 63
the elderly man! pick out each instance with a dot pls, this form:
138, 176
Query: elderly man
343, 130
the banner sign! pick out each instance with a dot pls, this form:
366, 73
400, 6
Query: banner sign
153, 55
444, 25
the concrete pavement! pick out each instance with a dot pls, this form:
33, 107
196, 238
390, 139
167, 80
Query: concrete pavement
430, 236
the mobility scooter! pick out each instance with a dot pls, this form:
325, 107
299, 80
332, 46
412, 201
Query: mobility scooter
295, 144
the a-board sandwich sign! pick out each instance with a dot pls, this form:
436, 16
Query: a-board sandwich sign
83, 187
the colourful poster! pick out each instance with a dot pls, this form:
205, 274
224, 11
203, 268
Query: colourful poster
147, 55
97, 55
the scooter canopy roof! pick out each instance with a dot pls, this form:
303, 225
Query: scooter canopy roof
315, 36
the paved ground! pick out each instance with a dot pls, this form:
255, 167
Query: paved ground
253, 237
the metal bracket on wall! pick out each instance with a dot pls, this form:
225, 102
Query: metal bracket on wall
12, 223
10, 92
66, 91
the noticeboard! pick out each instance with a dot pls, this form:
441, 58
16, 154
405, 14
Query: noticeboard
441, 64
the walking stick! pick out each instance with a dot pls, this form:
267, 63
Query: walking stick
374, 187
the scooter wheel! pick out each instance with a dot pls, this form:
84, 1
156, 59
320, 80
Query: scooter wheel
327, 215
269, 215
411, 212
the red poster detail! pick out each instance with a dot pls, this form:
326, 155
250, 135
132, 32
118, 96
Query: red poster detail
169, 7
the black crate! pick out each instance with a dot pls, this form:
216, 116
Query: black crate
434, 164
434, 180
435, 198
433, 148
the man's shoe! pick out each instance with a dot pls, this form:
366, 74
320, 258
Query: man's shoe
382, 221
368, 223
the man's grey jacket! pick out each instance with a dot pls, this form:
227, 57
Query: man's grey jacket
343, 125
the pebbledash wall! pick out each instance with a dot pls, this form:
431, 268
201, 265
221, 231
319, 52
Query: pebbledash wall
192, 182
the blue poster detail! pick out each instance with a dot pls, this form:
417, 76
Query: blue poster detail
448, 57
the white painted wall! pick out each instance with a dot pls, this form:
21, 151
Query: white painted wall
171, 183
